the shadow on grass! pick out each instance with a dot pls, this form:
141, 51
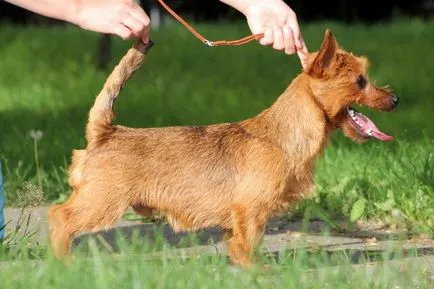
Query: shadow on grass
351, 246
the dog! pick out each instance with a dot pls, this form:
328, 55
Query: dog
231, 175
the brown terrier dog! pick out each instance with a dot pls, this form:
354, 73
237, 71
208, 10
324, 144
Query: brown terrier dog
231, 175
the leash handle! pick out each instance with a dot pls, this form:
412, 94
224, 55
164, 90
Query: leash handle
237, 42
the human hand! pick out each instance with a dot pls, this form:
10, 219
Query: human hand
124, 18
279, 24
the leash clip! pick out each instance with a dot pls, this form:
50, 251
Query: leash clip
209, 43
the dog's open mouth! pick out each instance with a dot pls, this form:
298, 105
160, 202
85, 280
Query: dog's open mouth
365, 126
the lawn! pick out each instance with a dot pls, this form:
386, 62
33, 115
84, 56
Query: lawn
298, 269
48, 82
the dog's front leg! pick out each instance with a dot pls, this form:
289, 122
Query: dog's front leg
248, 224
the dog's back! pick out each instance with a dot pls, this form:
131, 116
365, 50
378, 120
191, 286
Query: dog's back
189, 174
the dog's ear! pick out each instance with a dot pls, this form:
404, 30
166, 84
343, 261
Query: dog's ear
325, 55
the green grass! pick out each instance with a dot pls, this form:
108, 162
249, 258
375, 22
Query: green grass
48, 82
95, 268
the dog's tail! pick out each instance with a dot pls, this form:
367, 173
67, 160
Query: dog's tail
101, 115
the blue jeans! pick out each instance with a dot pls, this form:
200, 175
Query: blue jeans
2, 216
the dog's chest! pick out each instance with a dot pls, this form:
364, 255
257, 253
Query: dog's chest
298, 185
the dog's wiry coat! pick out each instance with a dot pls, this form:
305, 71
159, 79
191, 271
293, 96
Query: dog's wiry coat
231, 175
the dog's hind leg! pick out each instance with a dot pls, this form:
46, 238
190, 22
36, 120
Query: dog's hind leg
247, 229
83, 212
58, 218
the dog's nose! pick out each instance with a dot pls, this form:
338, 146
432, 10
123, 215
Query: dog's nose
395, 100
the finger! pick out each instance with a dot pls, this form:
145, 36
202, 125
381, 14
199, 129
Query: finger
300, 45
303, 46
298, 38
145, 37
278, 43
268, 37
137, 12
289, 40
303, 53
134, 25
303, 56
122, 31
293, 24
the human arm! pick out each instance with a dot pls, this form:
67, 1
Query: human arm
121, 17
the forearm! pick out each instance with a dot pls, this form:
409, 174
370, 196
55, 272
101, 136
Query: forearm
58, 9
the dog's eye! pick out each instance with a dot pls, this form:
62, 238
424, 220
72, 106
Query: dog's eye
361, 81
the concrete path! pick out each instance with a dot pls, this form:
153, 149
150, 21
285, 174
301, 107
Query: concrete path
280, 236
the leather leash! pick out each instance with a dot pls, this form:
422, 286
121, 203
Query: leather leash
241, 41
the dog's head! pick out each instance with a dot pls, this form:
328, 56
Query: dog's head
338, 80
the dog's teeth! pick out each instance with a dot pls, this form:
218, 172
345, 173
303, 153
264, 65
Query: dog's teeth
369, 132
351, 112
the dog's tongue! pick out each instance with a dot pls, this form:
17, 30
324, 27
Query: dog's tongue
370, 128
